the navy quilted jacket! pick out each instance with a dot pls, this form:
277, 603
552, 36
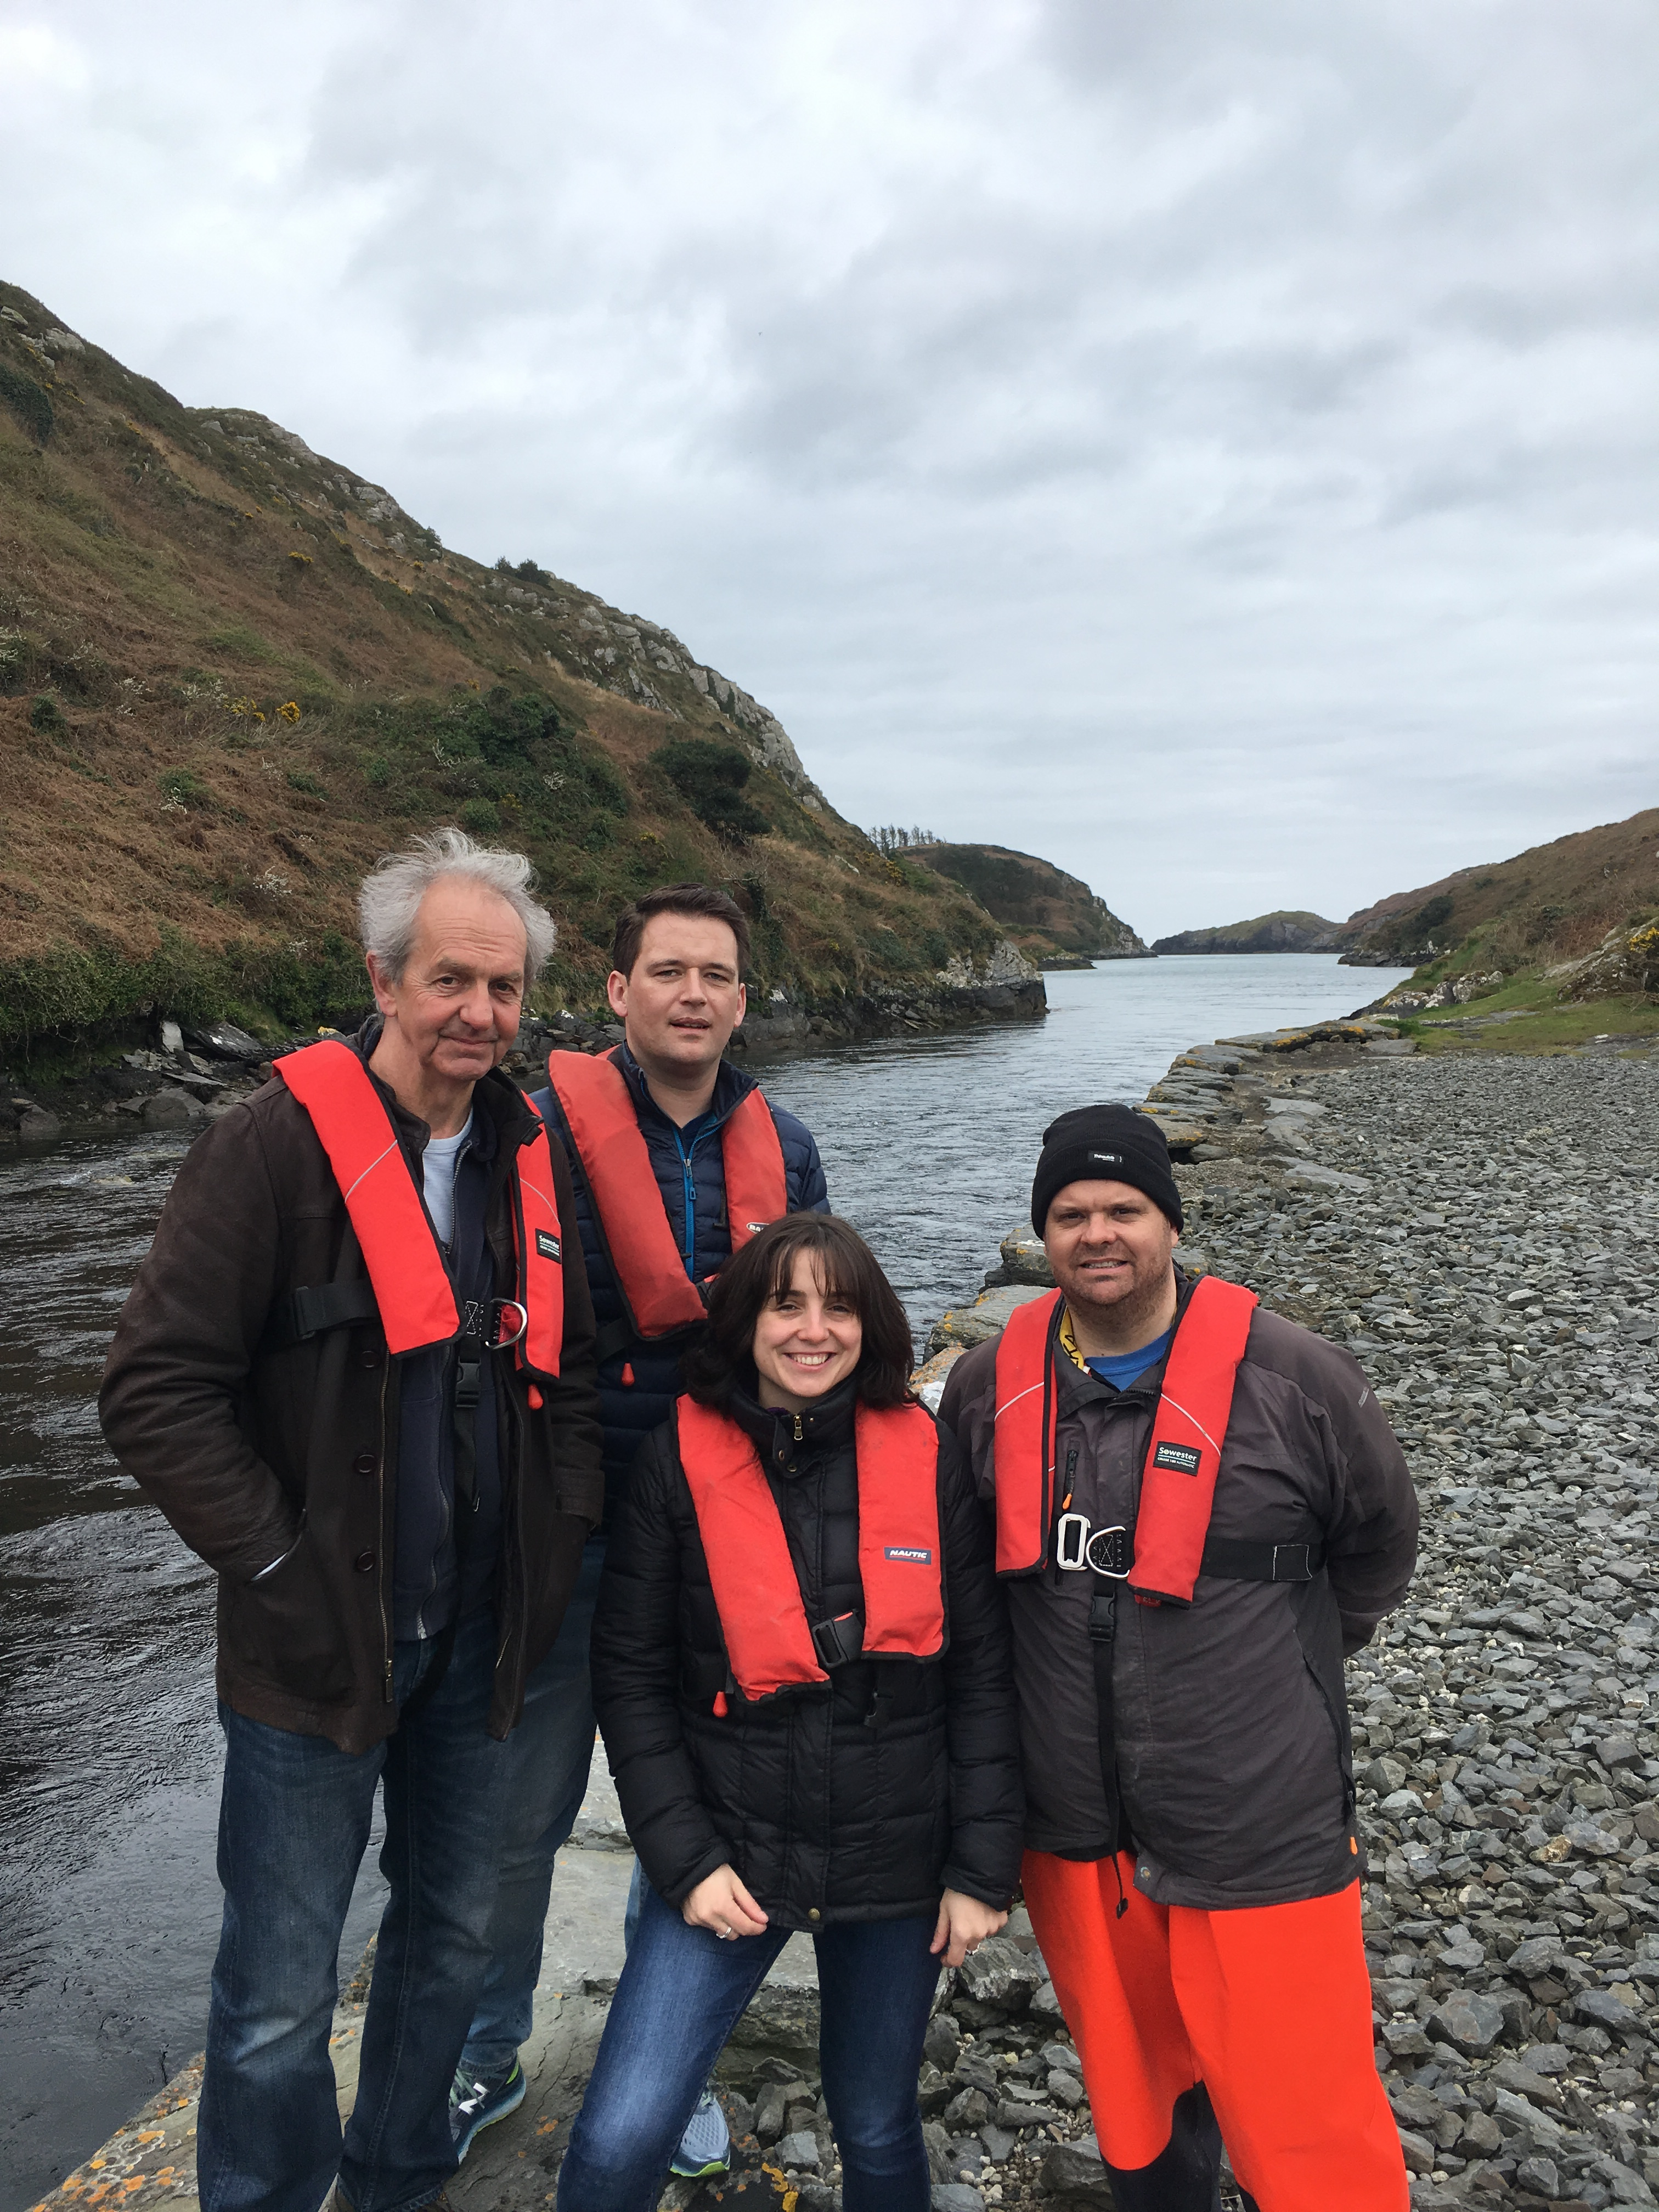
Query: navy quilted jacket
691, 1177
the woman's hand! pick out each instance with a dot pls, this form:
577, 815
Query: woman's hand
963, 1925
721, 1904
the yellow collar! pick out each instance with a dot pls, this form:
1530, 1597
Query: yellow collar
1068, 1343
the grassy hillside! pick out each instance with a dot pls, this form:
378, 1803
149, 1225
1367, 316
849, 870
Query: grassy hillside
1283, 930
232, 673
1565, 935
1046, 912
1550, 904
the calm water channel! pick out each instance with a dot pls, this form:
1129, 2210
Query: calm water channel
108, 1749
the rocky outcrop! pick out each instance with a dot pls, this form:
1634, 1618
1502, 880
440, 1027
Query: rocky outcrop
1281, 931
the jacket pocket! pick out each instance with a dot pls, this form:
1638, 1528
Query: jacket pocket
285, 1626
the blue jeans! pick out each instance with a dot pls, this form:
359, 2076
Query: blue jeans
546, 1761
679, 1997
294, 1823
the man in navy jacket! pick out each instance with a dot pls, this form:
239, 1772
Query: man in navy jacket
663, 1139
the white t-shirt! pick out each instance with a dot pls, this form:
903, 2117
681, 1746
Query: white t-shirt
438, 1164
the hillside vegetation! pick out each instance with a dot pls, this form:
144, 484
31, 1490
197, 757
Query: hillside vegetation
233, 673
1049, 915
1281, 932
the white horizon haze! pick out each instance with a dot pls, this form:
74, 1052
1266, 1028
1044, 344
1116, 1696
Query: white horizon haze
1211, 447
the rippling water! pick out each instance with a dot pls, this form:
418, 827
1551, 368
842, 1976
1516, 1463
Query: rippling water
930, 1146
109, 1906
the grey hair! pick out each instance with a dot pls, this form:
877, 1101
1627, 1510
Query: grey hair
389, 900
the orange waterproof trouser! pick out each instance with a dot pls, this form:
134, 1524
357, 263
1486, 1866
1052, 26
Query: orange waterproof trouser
1269, 2007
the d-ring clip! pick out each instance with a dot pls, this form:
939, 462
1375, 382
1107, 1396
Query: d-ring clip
502, 1342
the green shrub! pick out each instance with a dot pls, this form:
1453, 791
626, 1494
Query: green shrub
45, 714
480, 815
300, 779
27, 402
20, 657
181, 786
377, 772
710, 778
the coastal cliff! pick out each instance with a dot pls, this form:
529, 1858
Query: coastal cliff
233, 672
1054, 919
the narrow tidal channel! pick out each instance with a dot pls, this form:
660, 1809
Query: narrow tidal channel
109, 1906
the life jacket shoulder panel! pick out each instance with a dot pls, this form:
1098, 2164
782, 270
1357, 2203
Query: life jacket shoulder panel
1183, 1455
768, 1639
387, 1211
648, 1263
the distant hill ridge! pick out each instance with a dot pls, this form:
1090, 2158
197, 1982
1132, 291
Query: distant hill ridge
1051, 916
1283, 930
234, 671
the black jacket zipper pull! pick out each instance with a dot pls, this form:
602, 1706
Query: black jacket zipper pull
800, 1432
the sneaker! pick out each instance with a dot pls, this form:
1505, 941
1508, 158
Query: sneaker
477, 2104
706, 2146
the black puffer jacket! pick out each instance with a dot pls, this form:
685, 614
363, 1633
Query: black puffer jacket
857, 1800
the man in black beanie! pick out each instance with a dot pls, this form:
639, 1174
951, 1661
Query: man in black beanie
1191, 1866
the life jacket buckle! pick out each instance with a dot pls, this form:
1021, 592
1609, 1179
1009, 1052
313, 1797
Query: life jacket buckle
1078, 1546
840, 1641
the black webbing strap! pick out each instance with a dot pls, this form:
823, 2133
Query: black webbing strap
469, 1374
838, 1642
320, 1306
1103, 1641
616, 1337
1240, 1561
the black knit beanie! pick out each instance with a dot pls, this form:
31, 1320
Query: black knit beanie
1103, 1144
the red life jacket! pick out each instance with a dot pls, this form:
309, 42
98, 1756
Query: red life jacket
1183, 1455
648, 1265
405, 1263
768, 1640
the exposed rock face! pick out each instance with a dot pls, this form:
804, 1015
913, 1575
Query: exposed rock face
1282, 931
1048, 912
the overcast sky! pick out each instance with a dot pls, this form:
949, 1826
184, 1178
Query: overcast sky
1208, 442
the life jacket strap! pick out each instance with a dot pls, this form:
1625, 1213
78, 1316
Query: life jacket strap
838, 1642
1238, 1560
318, 1308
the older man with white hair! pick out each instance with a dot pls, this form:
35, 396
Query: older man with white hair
358, 1378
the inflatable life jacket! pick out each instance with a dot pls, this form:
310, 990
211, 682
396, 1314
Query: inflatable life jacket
413, 1294
648, 1265
1183, 1455
769, 1643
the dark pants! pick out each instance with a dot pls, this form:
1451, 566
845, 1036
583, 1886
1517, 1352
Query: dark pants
546, 1761
679, 1996
294, 1823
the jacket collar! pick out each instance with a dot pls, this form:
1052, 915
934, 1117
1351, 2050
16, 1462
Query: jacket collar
500, 1115
824, 1426
1146, 1385
731, 1087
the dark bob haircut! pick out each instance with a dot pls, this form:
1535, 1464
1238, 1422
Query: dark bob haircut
702, 900
720, 1356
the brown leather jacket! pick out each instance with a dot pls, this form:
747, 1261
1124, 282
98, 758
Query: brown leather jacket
257, 1453
1232, 1750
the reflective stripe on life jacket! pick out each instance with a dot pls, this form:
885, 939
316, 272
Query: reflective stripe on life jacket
1183, 1457
646, 1259
405, 1263
768, 1640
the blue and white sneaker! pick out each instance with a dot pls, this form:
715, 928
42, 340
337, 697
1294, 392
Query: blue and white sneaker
706, 2146
474, 2105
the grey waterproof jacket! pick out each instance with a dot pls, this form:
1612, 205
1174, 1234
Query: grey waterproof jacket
1232, 1750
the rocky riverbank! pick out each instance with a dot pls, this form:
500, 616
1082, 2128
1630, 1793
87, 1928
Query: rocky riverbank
1479, 1233
175, 1077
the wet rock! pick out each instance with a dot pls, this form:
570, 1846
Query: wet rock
173, 1109
224, 1041
35, 1126
799, 2152
1001, 1975
1076, 2174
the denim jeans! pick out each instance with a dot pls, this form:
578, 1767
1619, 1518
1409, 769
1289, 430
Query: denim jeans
680, 1995
294, 1823
546, 1761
